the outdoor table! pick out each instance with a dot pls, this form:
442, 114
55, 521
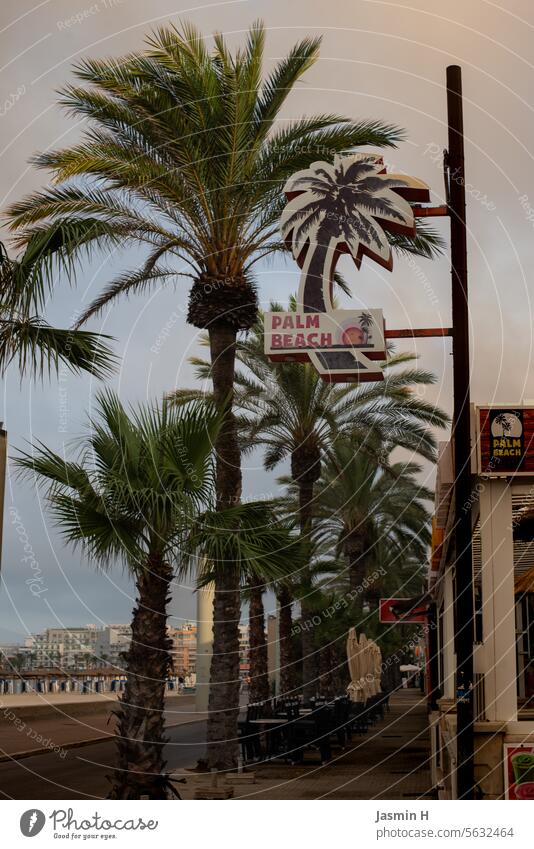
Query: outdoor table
302, 712
269, 726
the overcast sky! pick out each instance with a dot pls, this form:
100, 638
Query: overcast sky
379, 60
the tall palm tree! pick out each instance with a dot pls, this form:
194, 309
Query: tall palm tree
259, 689
142, 493
129, 497
249, 543
186, 155
366, 504
288, 409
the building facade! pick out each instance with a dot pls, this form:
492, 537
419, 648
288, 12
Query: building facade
184, 649
111, 644
63, 647
502, 692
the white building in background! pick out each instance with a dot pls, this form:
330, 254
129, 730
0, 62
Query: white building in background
111, 642
67, 648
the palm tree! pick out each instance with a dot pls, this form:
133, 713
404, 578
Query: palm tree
250, 545
288, 409
259, 690
17, 662
25, 337
138, 482
185, 155
142, 493
364, 503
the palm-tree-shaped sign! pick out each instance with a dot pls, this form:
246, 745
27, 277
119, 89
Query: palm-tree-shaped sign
344, 207
366, 322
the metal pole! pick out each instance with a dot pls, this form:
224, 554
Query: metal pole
432, 658
461, 436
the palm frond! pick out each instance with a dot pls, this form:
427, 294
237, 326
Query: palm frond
39, 349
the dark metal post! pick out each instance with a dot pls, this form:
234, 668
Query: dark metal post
461, 436
432, 687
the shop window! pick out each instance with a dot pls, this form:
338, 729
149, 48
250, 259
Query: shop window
525, 649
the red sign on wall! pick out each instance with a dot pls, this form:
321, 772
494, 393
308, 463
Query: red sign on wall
505, 440
395, 610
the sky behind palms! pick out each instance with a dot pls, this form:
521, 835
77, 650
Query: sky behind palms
382, 60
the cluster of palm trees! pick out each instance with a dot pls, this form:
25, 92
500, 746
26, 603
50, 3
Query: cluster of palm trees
185, 152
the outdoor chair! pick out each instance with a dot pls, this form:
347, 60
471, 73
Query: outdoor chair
249, 735
360, 719
309, 732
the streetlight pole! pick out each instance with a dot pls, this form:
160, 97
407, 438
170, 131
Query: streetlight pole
461, 440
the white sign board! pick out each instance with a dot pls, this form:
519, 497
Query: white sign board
342, 344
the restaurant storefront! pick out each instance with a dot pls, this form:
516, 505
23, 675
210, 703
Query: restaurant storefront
502, 507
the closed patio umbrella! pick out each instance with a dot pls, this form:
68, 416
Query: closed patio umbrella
355, 690
376, 658
366, 667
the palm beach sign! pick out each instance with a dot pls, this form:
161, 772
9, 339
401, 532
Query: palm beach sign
348, 206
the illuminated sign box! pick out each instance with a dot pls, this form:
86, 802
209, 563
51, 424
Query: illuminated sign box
338, 342
390, 610
505, 440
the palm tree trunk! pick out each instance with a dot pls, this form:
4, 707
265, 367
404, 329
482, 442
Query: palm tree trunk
140, 727
288, 683
259, 673
309, 666
357, 566
223, 705
305, 470
326, 664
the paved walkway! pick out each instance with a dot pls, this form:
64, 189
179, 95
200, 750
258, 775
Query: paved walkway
23, 734
391, 761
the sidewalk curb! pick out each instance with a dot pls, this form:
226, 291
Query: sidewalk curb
77, 744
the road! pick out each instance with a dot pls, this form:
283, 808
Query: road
82, 773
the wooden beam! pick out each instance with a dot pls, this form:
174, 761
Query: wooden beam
427, 211
418, 332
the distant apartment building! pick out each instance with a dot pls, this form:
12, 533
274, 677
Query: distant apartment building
111, 643
184, 648
68, 648
244, 650
14, 656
